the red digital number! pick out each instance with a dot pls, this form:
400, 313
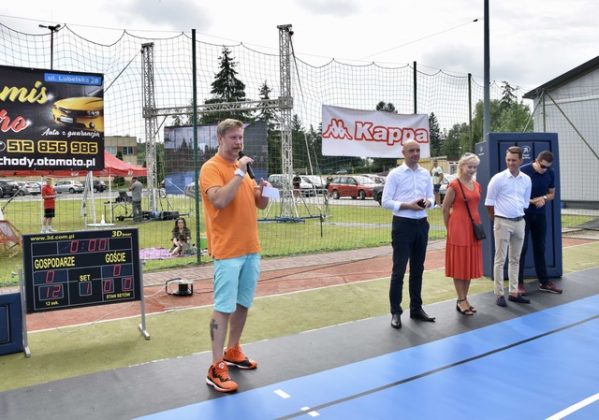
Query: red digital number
127, 284
57, 291
102, 244
91, 245
108, 286
74, 246
50, 276
116, 270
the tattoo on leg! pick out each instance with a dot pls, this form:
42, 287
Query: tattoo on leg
213, 326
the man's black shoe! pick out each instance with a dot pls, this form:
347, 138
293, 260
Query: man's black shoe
396, 321
420, 315
518, 299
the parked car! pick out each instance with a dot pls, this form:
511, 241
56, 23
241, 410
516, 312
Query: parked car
34, 188
99, 185
68, 186
22, 188
376, 178
354, 186
277, 180
316, 182
8, 188
377, 193
444, 183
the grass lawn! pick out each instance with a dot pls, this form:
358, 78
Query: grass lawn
348, 225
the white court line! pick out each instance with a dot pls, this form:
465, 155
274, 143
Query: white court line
567, 411
282, 394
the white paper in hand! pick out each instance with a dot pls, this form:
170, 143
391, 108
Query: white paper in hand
270, 192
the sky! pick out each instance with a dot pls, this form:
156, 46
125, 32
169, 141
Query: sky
532, 41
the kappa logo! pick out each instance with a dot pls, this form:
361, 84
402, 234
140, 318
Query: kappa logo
368, 131
337, 130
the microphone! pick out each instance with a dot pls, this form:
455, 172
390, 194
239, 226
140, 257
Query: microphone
250, 171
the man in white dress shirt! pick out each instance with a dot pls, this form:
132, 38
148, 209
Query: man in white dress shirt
508, 194
407, 193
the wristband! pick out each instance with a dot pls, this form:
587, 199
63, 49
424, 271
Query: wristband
239, 173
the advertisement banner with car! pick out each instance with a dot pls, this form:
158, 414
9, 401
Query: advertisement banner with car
354, 132
51, 119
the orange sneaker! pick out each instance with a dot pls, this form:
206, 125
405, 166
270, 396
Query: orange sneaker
218, 377
234, 357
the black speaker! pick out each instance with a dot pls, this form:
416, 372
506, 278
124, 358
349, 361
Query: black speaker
169, 215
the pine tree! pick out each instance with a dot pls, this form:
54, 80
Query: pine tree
435, 135
226, 87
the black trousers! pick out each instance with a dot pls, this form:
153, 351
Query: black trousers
137, 215
409, 238
536, 228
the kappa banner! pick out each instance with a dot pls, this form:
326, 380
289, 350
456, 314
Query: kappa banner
353, 132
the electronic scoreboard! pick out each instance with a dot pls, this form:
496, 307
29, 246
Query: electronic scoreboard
74, 269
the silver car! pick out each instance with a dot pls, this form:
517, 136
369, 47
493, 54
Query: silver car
68, 186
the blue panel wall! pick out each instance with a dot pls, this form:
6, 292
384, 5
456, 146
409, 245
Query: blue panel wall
11, 323
492, 160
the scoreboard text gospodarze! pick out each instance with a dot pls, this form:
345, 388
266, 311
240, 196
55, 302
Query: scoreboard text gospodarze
73, 269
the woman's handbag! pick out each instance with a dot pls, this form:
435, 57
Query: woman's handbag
478, 229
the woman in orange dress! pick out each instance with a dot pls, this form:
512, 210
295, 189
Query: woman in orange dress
463, 252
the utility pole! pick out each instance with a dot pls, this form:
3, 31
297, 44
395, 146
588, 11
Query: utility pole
52, 28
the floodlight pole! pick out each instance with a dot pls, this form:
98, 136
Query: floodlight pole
52, 28
487, 76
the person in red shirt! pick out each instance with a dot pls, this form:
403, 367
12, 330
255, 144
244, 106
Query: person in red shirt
49, 197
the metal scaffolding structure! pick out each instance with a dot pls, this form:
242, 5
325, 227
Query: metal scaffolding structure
149, 106
284, 104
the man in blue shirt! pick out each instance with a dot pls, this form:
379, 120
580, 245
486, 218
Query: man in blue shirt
543, 191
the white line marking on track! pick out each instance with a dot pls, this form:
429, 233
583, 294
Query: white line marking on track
282, 394
575, 407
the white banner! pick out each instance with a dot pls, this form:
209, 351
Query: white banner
354, 132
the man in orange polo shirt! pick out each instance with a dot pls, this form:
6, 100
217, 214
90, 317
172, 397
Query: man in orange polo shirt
230, 198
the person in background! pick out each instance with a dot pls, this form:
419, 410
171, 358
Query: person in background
437, 174
535, 217
508, 195
49, 197
463, 252
136, 189
408, 191
230, 199
181, 238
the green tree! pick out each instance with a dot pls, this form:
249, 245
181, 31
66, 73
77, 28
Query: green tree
456, 142
504, 118
508, 97
435, 135
273, 138
226, 88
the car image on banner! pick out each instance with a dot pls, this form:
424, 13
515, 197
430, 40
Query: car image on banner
80, 112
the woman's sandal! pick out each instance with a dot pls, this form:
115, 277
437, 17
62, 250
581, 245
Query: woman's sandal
467, 312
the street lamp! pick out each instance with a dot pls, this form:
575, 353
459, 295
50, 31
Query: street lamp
52, 28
